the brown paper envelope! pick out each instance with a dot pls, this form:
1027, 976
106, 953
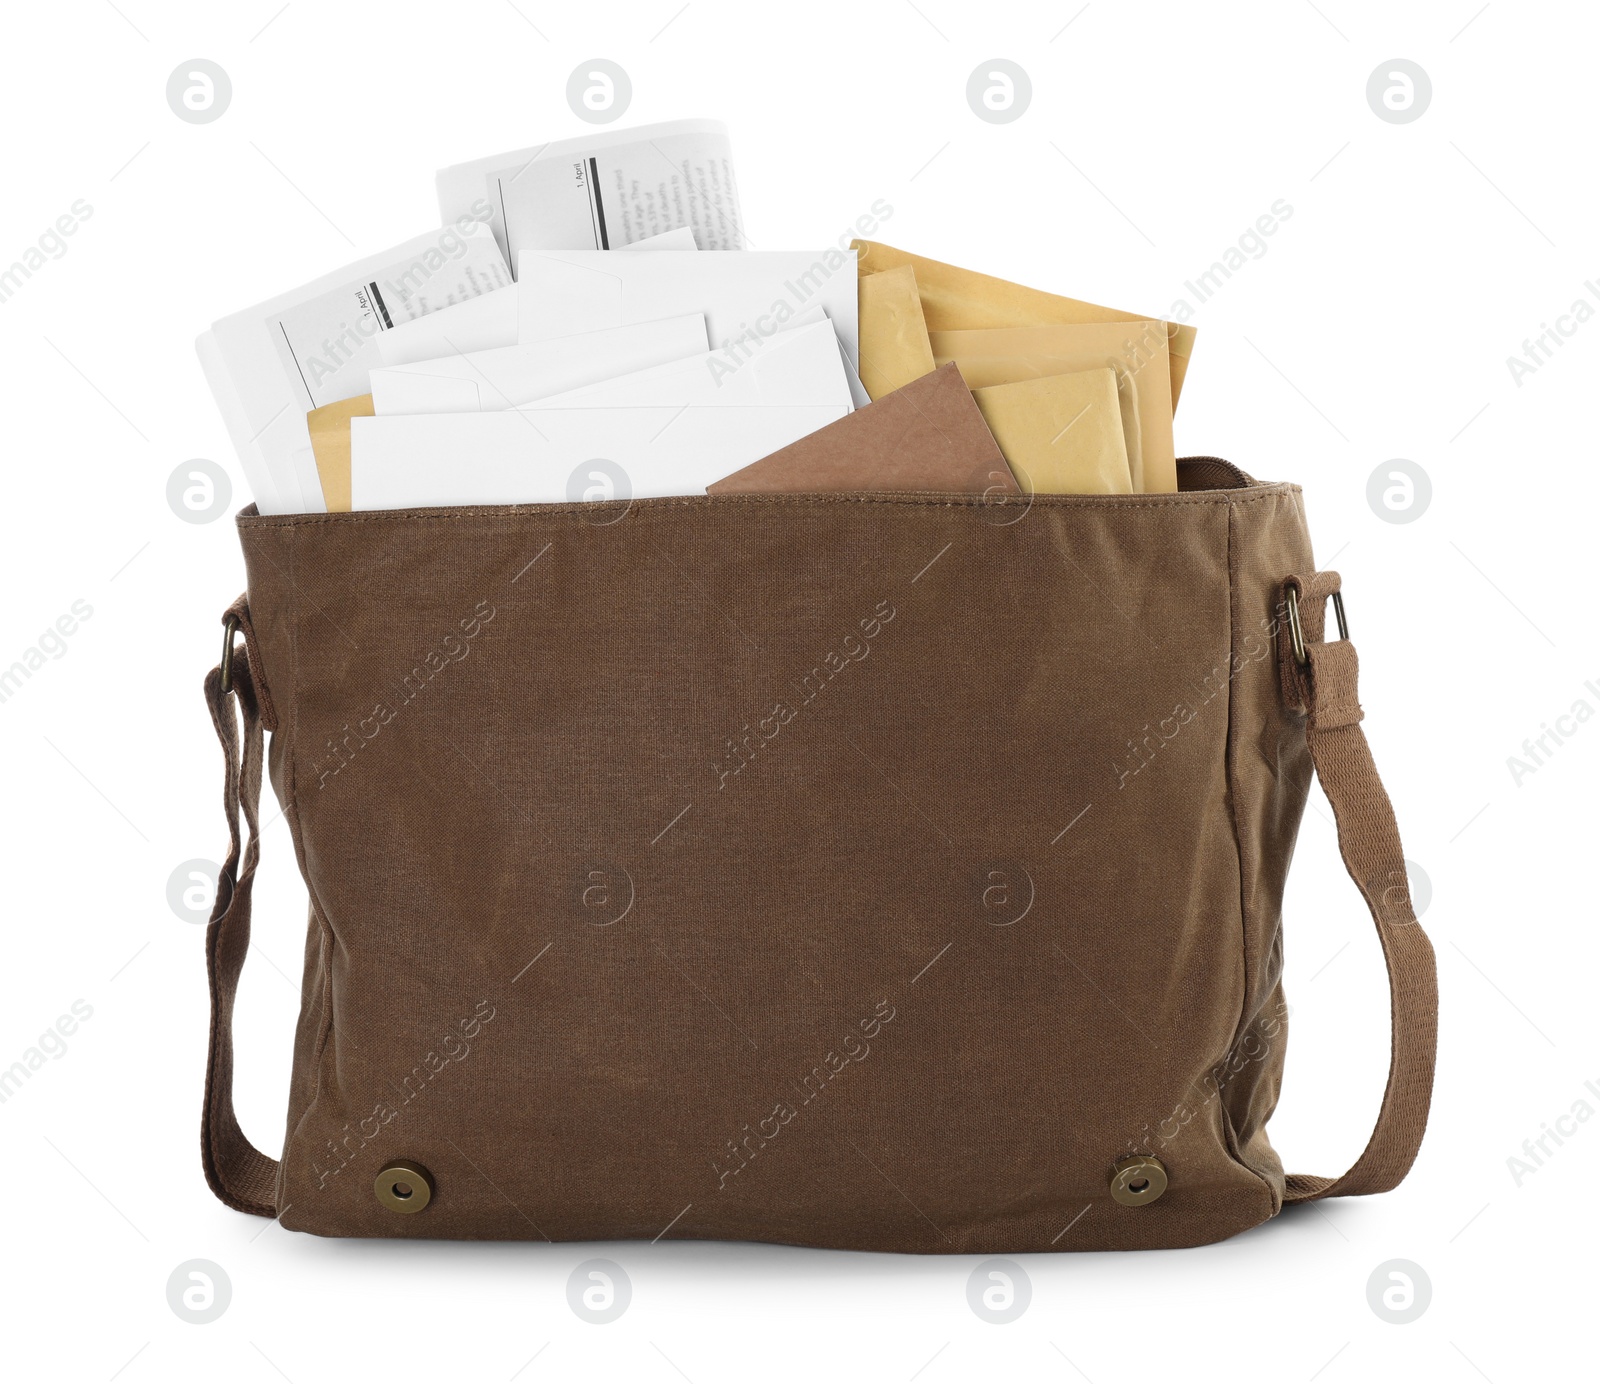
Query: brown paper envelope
894, 339
956, 299
1005, 355
1062, 434
330, 444
927, 435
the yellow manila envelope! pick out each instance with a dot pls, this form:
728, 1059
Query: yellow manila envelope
894, 338
955, 300
330, 444
1005, 355
1062, 434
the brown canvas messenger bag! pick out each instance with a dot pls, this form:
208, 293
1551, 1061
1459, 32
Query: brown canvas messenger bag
878, 872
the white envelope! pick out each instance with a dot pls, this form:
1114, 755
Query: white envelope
524, 456
747, 296
485, 380
680, 239
801, 366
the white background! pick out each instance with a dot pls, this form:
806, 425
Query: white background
1377, 326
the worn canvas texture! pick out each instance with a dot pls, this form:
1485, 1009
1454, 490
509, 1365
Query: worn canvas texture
864, 871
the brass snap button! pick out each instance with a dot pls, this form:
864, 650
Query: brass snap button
1138, 1180
404, 1186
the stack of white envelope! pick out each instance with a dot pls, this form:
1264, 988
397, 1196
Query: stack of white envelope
675, 368
598, 373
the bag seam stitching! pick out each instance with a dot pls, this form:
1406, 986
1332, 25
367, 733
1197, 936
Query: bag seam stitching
1144, 504
318, 916
1231, 1142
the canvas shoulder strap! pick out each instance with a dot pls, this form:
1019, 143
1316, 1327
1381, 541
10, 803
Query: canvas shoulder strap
239, 1173
1319, 679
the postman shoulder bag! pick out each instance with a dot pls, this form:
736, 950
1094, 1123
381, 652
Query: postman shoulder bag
878, 872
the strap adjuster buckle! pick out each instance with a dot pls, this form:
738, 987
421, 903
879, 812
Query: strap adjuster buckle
1297, 637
